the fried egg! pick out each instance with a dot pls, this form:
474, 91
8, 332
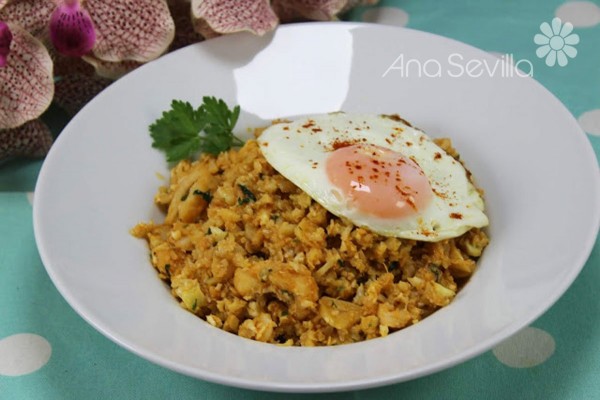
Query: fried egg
377, 171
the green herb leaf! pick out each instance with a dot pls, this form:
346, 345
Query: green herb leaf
218, 114
220, 121
248, 195
435, 269
179, 130
205, 195
176, 132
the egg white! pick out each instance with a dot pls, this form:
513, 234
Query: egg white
298, 150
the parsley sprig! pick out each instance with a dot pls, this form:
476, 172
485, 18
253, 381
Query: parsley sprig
179, 130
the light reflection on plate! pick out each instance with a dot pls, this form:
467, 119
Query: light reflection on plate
521, 143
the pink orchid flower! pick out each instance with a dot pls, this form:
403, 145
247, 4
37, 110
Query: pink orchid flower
76, 48
26, 91
216, 17
85, 41
102, 32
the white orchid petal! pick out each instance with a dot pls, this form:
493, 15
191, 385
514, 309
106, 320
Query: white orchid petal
213, 17
111, 70
130, 30
32, 15
26, 85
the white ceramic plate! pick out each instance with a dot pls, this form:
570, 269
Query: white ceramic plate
539, 172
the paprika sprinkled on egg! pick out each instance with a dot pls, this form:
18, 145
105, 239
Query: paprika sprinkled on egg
379, 172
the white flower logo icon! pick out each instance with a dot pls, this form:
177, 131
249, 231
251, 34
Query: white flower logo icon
556, 42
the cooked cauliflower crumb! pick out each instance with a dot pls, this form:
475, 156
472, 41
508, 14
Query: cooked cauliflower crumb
249, 252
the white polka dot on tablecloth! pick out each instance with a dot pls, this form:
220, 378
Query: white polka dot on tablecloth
526, 349
590, 122
386, 16
582, 14
30, 197
23, 353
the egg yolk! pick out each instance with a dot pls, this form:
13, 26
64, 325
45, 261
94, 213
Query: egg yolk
379, 181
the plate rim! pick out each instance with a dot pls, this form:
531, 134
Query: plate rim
307, 387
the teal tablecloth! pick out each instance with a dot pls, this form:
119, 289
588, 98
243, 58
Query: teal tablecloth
48, 352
